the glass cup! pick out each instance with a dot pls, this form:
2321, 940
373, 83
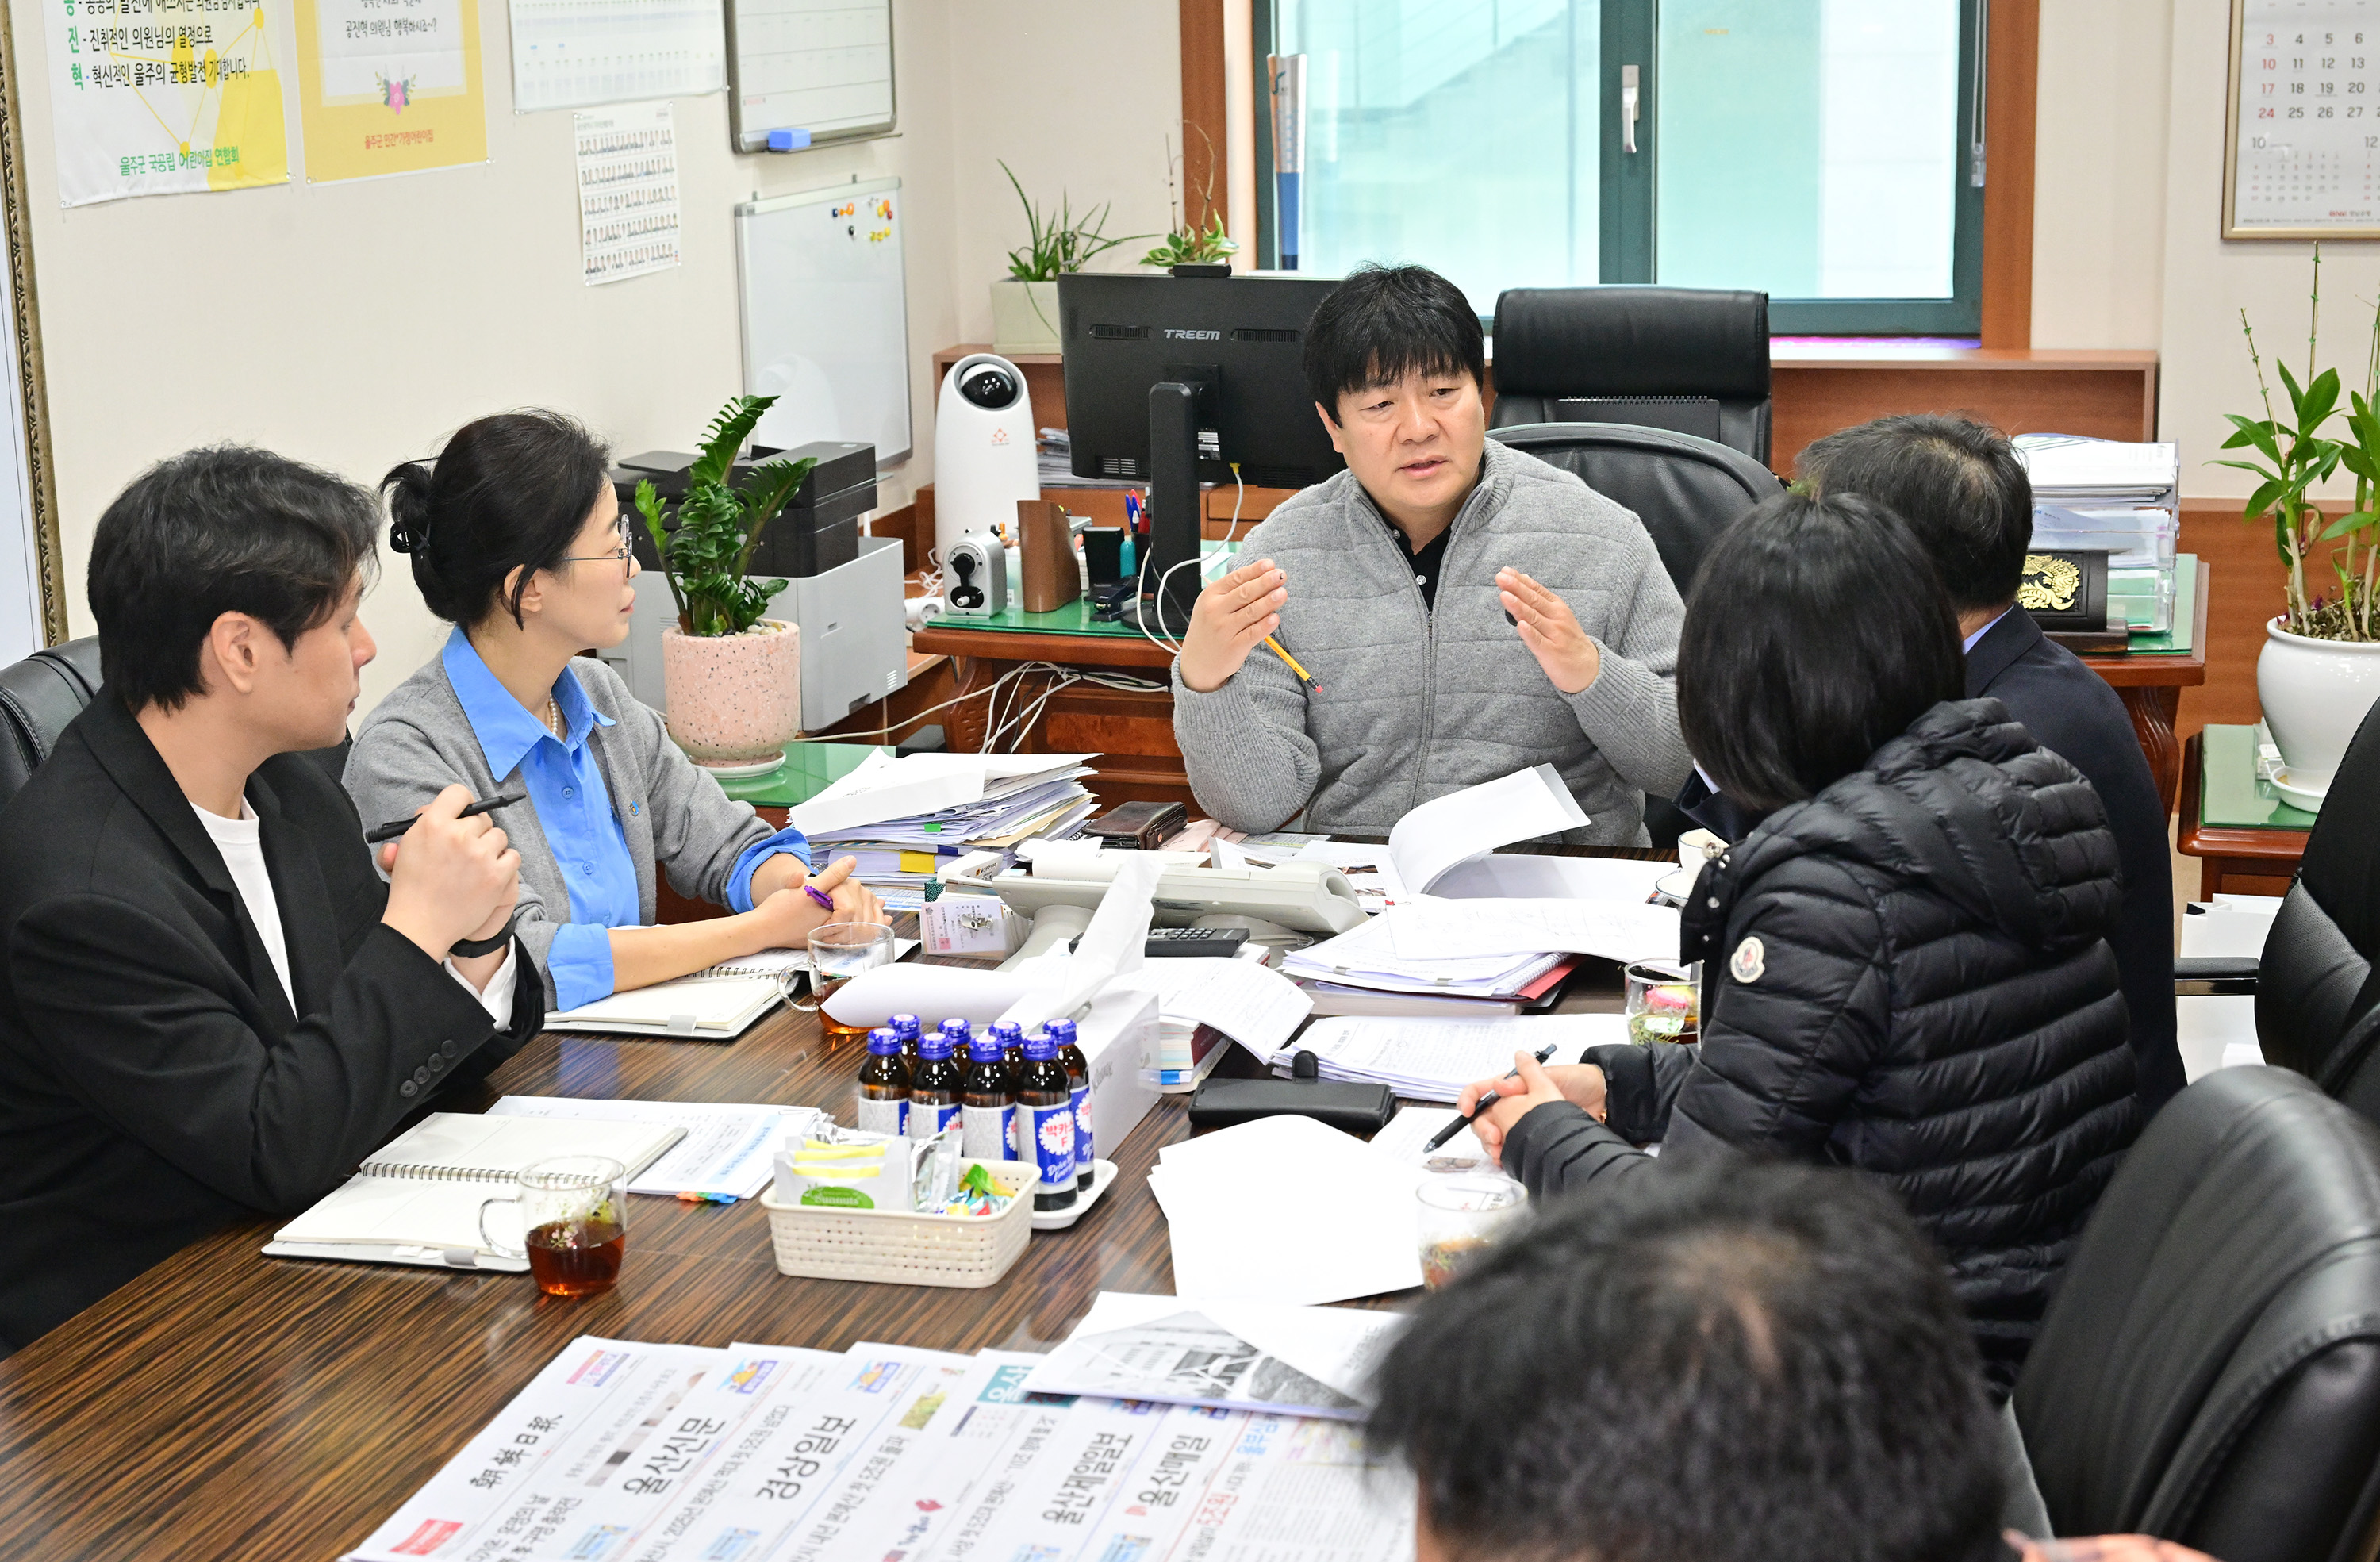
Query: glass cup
839, 951
574, 1221
1664, 1001
1459, 1214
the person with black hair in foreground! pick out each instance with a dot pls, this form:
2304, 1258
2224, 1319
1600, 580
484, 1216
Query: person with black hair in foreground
213, 1006
1963, 491
1737, 1362
1466, 610
1906, 966
516, 538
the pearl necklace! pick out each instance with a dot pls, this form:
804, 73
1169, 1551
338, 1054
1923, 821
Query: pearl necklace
552, 717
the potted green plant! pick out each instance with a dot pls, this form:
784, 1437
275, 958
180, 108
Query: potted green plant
732, 675
2319, 670
1187, 243
1025, 306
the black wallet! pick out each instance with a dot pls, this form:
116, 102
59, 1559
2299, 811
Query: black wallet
1360, 1109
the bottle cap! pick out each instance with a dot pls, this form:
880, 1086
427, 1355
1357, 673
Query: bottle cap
908, 1027
1008, 1032
985, 1048
1041, 1047
1061, 1032
934, 1046
956, 1030
883, 1042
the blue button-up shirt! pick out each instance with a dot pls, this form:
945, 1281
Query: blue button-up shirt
575, 809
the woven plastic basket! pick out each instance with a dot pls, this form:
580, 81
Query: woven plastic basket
898, 1248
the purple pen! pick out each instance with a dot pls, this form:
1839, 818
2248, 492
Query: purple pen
812, 891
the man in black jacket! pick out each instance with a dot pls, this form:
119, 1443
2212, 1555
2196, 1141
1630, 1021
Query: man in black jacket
1964, 491
212, 1007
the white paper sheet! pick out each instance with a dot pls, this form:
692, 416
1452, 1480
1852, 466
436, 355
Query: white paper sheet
1433, 1059
1444, 831
1254, 1007
1287, 1210
1501, 876
1371, 869
724, 1156
627, 191
1408, 1134
1241, 1355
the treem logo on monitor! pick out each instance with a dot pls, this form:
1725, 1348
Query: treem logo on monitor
1172, 336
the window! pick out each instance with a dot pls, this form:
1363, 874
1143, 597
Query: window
1826, 152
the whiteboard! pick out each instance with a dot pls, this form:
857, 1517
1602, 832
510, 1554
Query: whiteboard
826, 316
823, 68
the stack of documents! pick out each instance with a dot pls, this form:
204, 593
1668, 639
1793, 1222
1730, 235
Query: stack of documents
723, 1156
1489, 949
1433, 1059
905, 818
2123, 499
684, 1453
1286, 1209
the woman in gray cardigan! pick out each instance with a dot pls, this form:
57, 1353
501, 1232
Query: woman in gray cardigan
517, 540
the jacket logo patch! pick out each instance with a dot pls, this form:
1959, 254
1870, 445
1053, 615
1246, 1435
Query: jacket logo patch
1748, 962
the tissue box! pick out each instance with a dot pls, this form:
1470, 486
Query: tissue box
1120, 1035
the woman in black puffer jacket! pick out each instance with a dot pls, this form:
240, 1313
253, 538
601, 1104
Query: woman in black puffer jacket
1904, 965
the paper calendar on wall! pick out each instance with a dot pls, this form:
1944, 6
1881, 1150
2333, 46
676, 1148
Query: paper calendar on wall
2301, 158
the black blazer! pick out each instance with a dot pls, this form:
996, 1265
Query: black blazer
2071, 711
153, 1084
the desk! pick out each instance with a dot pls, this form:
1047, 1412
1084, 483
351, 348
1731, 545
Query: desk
2252, 859
232, 1406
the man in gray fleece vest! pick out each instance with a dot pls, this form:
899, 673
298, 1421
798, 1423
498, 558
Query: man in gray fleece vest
1463, 609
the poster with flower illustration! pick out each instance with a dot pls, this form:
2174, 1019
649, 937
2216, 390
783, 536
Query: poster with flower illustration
389, 87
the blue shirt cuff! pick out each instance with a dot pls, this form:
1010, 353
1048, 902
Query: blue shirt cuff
739, 880
580, 964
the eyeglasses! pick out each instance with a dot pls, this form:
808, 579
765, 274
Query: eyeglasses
625, 551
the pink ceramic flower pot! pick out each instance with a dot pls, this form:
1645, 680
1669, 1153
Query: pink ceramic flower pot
734, 699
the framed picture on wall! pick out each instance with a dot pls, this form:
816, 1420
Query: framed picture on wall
2301, 142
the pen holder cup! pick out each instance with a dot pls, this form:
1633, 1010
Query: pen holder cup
898, 1247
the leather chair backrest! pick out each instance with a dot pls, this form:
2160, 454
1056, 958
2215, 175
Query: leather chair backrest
2209, 1369
1686, 490
2317, 993
1691, 360
38, 696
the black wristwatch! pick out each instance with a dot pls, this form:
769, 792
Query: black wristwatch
471, 949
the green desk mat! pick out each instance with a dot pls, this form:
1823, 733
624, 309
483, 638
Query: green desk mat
1075, 618
807, 768
2175, 641
2229, 793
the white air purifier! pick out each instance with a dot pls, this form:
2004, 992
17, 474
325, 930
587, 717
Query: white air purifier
984, 455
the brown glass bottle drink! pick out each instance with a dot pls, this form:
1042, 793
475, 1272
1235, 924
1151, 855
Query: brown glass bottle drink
934, 1088
1042, 1097
1079, 1085
883, 1086
988, 1106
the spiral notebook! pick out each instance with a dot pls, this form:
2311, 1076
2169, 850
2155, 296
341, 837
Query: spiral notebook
416, 1200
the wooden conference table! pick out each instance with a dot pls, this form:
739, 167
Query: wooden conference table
226, 1405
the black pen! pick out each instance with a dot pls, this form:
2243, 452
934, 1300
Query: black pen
1438, 1141
395, 828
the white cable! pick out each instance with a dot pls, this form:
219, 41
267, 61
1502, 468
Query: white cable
1023, 725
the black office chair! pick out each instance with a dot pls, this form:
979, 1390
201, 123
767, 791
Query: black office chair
2209, 1369
2317, 990
1685, 490
38, 696
1689, 360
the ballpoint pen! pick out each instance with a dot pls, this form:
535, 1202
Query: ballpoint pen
1457, 1125
395, 828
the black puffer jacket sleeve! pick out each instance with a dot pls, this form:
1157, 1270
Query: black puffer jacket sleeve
1783, 1052
1556, 1147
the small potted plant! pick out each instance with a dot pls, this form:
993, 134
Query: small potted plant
2320, 667
732, 677
1025, 306
1189, 244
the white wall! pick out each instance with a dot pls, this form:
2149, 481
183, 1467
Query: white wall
2099, 179
355, 324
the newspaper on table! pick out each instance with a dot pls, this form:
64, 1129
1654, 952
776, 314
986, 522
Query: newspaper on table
625, 1452
1297, 1360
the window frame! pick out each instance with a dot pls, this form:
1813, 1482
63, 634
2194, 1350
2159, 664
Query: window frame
1629, 193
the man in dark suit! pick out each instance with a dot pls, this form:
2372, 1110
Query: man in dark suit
213, 1007
1964, 490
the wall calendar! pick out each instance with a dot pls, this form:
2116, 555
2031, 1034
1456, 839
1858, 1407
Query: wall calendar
2301, 155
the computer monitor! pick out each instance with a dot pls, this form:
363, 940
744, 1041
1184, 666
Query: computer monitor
1170, 380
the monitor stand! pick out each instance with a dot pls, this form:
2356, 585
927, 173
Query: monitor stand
1174, 532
